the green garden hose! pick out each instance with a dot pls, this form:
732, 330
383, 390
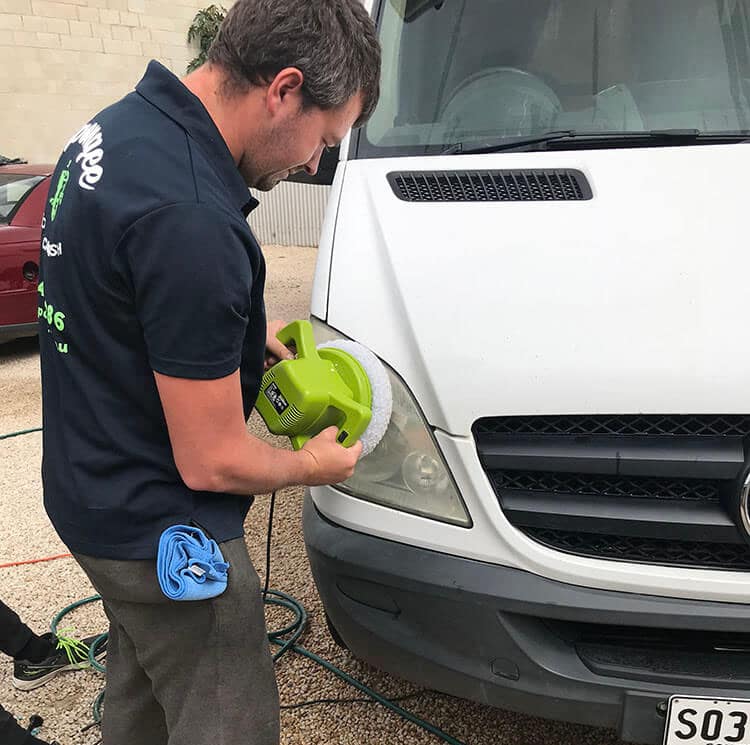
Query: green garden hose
285, 638
295, 628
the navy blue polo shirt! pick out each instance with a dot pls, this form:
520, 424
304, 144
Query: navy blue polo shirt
147, 264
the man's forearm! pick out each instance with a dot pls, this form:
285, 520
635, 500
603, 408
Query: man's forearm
214, 452
265, 468
252, 467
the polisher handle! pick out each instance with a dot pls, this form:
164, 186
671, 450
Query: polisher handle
353, 419
301, 334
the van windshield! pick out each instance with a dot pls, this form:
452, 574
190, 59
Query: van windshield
470, 71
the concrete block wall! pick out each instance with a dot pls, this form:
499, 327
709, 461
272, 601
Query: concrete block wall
61, 61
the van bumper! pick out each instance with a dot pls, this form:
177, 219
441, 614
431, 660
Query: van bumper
492, 634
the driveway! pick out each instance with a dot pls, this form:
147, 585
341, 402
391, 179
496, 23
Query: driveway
38, 591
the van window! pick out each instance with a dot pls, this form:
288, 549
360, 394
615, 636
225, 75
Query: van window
468, 70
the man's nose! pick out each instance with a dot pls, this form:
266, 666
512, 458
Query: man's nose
312, 165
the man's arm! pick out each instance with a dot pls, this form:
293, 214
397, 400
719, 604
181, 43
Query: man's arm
214, 451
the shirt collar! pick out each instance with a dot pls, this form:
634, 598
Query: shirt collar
166, 91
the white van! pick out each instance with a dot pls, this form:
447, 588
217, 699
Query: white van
543, 233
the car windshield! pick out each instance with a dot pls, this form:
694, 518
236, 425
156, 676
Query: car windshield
469, 71
13, 188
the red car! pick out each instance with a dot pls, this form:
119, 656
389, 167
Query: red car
23, 192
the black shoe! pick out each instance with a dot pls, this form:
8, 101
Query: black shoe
70, 654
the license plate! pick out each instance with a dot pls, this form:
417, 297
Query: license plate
707, 721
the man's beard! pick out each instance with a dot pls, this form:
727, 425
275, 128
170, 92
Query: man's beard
266, 183
276, 142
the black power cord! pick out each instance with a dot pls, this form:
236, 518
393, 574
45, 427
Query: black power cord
268, 545
320, 701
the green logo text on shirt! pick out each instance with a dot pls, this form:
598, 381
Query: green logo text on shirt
62, 182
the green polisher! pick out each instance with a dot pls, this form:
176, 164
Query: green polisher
338, 383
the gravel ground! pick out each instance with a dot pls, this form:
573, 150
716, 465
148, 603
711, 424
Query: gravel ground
38, 591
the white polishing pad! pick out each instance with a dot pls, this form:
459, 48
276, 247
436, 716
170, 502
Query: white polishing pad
380, 384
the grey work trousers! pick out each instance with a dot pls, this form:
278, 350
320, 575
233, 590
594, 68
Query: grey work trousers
185, 673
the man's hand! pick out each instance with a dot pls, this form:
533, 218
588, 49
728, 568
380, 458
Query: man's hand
333, 462
275, 350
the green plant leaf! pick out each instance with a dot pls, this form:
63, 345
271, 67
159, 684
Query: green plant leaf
203, 30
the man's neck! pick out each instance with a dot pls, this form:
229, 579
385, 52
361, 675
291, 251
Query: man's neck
206, 83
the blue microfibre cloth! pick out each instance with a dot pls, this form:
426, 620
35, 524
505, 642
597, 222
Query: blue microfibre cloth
190, 565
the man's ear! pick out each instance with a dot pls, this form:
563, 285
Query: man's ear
284, 92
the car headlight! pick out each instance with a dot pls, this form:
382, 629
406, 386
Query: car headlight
406, 471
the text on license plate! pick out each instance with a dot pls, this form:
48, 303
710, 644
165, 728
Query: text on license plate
707, 721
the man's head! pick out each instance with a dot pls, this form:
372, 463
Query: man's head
298, 75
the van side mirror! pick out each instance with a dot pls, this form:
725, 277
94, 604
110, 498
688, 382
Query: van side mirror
326, 170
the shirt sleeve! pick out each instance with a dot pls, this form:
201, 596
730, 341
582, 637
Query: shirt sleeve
191, 277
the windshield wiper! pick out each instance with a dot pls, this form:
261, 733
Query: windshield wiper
507, 143
651, 137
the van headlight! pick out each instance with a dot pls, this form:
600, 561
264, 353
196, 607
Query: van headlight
406, 471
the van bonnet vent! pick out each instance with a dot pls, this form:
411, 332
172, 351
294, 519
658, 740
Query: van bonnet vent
490, 186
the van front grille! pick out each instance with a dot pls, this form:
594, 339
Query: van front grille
490, 186
659, 655
700, 490
732, 425
659, 489
734, 556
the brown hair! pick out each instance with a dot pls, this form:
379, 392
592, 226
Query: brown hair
333, 43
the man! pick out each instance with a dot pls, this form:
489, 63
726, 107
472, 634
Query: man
153, 338
37, 659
